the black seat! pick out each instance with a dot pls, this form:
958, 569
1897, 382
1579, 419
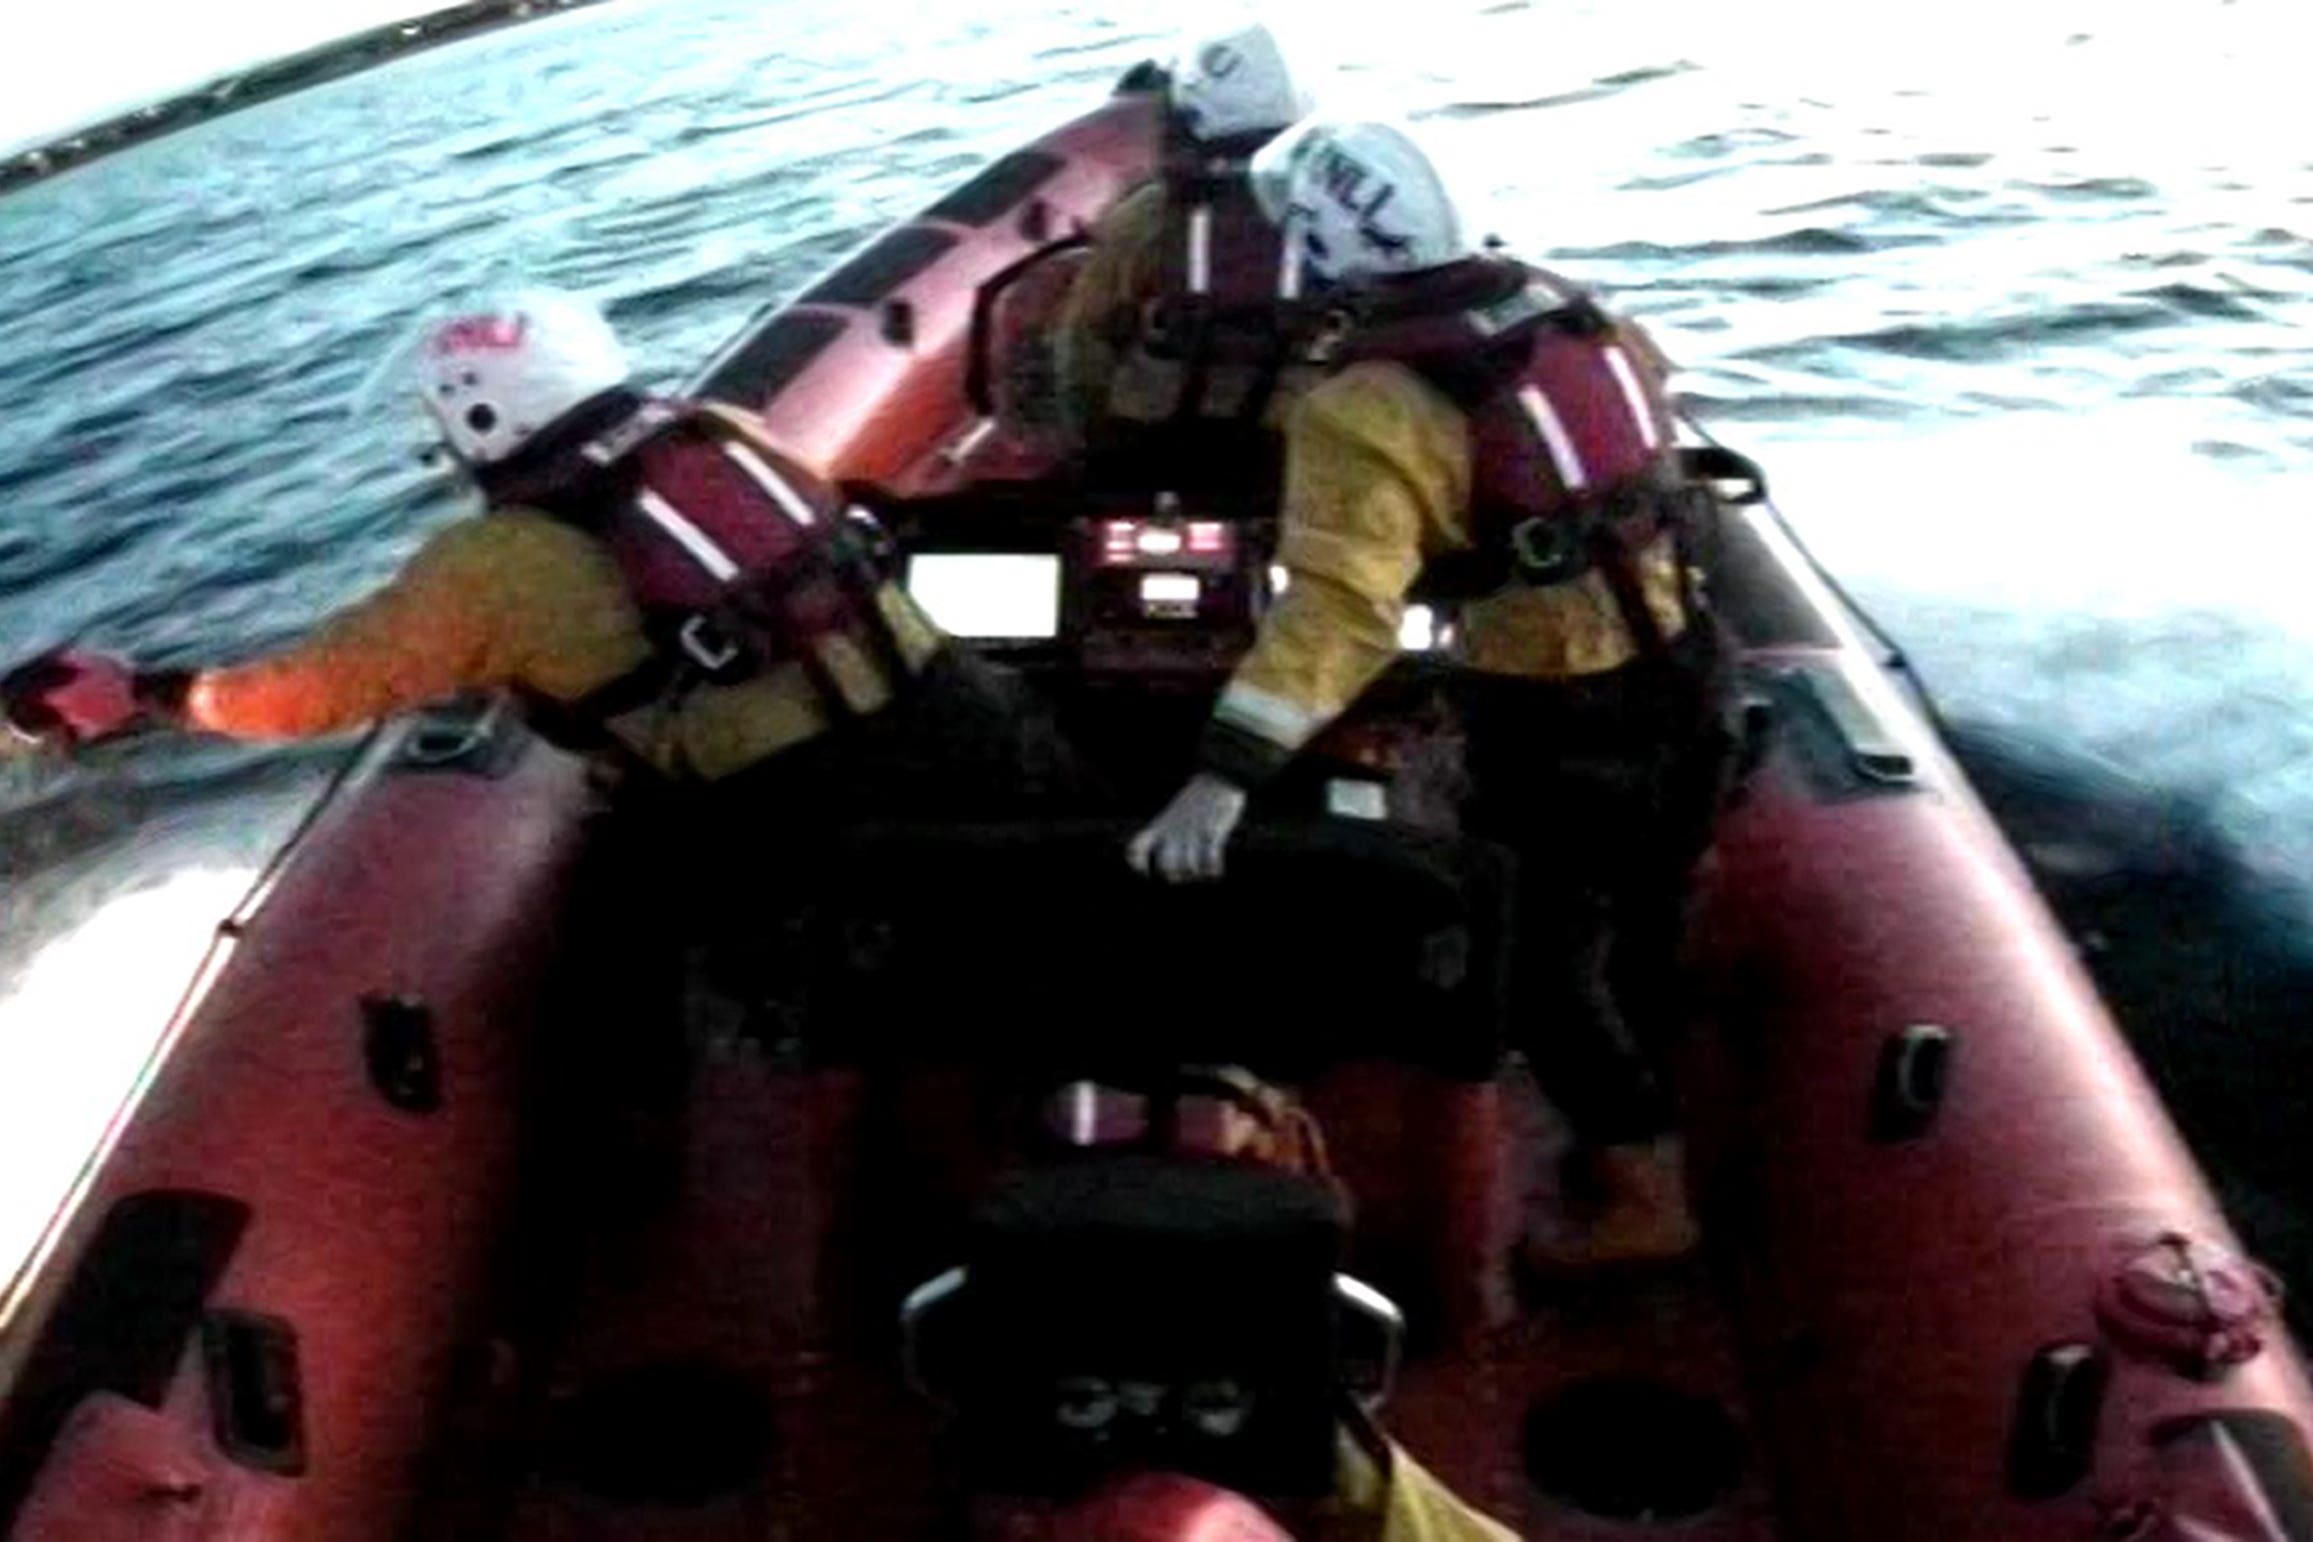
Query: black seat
1126, 1310
1034, 946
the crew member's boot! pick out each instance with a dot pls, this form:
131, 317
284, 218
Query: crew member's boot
1642, 1215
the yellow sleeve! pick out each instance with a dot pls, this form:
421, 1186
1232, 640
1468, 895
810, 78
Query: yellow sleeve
1421, 1509
1410, 1502
509, 598
1102, 308
1377, 480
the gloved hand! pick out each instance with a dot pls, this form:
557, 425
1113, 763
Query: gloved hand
68, 697
1185, 842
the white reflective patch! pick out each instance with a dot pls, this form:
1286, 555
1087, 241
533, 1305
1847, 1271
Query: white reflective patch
1501, 315
1289, 263
1554, 438
622, 439
1271, 717
696, 543
1174, 596
781, 490
1200, 252
1083, 1113
988, 594
1632, 397
971, 439
1552, 294
1417, 630
1355, 798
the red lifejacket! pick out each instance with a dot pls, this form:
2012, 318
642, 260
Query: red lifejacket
1219, 266
1574, 465
1202, 357
739, 561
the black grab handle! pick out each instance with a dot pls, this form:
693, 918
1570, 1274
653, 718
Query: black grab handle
1914, 1074
2052, 1443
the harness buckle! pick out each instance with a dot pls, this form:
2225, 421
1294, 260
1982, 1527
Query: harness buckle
1545, 549
703, 646
862, 539
1325, 338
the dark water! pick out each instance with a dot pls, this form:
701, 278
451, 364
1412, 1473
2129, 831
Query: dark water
2009, 297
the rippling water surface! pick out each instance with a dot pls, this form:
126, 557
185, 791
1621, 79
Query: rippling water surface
2011, 298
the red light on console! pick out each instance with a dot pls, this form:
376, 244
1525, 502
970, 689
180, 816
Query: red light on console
1119, 542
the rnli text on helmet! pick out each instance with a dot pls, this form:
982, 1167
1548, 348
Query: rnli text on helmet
1363, 193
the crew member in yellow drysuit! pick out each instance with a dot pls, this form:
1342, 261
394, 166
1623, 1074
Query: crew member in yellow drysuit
655, 580
1487, 424
1170, 360
662, 587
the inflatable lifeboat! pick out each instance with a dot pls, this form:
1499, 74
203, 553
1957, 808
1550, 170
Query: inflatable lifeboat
367, 1256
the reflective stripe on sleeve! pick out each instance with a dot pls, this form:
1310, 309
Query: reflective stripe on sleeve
1268, 716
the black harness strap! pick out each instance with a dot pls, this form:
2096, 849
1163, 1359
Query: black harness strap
847, 565
1286, 343
654, 677
1613, 559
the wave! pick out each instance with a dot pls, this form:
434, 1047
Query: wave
2215, 1008
2277, 393
1997, 337
1947, 206
54, 811
846, 96
54, 560
1598, 89
2198, 300
671, 297
1806, 241
2092, 189
1460, 111
1726, 142
1795, 407
489, 147
2231, 450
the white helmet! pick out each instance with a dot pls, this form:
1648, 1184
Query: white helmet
1235, 83
1358, 200
494, 376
